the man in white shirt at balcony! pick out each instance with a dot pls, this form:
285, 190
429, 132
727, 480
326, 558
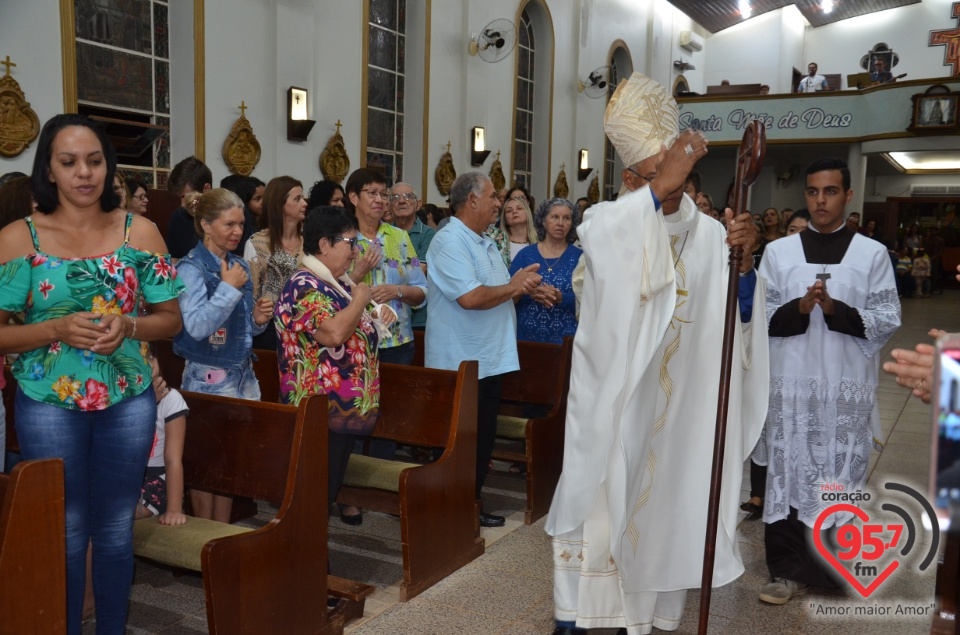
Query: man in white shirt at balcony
812, 82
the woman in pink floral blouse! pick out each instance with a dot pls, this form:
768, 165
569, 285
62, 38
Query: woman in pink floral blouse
327, 329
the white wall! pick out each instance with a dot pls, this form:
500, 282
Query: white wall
36, 53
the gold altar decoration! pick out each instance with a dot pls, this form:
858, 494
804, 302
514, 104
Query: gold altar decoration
19, 124
334, 162
445, 173
560, 188
594, 192
496, 174
241, 150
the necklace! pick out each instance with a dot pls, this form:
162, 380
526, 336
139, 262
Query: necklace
551, 265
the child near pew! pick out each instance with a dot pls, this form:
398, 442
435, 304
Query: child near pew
162, 492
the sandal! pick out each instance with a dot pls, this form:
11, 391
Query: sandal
753, 507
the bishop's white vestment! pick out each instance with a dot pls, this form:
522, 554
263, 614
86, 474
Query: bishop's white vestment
629, 513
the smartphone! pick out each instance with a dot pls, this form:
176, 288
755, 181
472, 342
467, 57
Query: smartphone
945, 440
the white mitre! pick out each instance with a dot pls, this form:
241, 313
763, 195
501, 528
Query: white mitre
640, 118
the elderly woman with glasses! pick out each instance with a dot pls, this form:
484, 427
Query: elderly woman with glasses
389, 265
549, 313
329, 330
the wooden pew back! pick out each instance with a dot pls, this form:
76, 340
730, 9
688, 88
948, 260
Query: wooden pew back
33, 575
544, 374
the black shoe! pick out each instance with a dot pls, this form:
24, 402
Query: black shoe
353, 520
569, 630
491, 520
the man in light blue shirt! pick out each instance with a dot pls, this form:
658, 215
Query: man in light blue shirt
471, 307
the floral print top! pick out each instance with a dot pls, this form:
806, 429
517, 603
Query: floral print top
349, 374
399, 265
494, 233
45, 288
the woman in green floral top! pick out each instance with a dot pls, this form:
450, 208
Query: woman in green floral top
327, 337
79, 270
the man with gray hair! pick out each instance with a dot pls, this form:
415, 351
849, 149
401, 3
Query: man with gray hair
471, 307
404, 204
629, 514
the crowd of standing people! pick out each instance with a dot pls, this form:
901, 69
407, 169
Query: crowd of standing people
339, 281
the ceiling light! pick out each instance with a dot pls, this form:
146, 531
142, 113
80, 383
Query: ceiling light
744, 9
925, 160
826, 5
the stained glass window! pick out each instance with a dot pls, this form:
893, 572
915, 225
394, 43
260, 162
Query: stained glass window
524, 121
385, 87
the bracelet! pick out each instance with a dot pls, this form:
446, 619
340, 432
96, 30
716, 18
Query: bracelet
133, 331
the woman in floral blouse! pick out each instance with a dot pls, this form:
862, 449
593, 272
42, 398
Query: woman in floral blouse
79, 270
328, 338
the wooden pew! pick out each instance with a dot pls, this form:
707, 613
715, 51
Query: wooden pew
272, 579
542, 382
33, 560
435, 502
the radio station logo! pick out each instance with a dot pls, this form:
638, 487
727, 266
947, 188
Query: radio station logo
860, 558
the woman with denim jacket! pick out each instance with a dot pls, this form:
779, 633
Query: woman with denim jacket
220, 317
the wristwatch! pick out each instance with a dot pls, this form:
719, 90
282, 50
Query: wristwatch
399, 293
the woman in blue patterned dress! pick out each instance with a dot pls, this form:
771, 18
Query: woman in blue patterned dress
549, 313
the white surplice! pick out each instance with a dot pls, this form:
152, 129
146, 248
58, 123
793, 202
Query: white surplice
629, 513
820, 425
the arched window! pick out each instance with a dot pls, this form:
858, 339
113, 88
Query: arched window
621, 67
386, 38
524, 119
534, 87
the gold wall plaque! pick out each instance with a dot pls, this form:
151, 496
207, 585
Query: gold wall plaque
496, 174
594, 192
445, 174
560, 188
241, 150
19, 124
334, 162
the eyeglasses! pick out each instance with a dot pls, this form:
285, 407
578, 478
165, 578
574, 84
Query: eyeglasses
634, 172
384, 194
350, 241
409, 197
140, 197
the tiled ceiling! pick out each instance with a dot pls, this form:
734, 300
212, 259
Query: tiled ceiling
716, 15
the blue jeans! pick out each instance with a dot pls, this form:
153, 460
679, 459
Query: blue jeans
225, 382
104, 455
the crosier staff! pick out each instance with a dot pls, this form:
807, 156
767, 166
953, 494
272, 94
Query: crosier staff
749, 161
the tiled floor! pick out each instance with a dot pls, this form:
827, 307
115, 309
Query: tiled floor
508, 591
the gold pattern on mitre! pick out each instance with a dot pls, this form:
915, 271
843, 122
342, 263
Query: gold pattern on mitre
19, 124
334, 162
593, 193
496, 174
241, 150
445, 174
560, 188
640, 118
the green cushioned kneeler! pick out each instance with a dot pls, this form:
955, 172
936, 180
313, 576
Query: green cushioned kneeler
512, 427
366, 471
178, 545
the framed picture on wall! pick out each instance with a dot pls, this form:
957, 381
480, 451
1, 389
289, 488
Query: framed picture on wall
935, 110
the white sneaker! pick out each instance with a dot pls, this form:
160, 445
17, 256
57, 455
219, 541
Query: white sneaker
780, 591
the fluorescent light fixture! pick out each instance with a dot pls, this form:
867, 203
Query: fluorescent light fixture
745, 10
924, 161
826, 5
